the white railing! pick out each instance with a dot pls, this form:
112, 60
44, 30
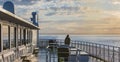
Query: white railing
106, 53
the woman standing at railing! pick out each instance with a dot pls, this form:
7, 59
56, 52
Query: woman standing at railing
67, 40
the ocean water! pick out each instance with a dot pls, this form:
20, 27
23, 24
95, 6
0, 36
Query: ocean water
101, 39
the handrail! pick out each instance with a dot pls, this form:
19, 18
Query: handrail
107, 53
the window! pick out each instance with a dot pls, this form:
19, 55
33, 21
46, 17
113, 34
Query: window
19, 36
12, 37
30, 36
6, 42
22, 37
0, 38
26, 36
29, 40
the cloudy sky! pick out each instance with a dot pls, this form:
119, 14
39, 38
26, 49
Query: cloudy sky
72, 16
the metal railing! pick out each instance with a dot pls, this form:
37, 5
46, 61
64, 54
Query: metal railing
105, 53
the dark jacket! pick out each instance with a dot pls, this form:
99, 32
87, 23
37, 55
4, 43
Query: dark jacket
67, 40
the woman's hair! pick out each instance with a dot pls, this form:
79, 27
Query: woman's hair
67, 35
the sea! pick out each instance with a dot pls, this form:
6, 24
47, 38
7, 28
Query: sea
113, 40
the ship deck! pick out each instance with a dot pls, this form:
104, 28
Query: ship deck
96, 52
91, 52
45, 56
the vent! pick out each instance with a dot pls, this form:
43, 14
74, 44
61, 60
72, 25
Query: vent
9, 6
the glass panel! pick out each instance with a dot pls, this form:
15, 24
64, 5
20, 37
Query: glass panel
22, 38
6, 43
12, 36
27, 36
19, 40
30, 36
0, 37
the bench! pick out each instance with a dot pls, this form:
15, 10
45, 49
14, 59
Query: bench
36, 51
25, 58
1, 58
9, 56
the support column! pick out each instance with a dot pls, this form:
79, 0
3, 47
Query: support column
37, 38
1, 42
9, 37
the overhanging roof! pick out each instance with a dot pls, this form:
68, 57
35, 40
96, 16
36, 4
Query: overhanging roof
10, 17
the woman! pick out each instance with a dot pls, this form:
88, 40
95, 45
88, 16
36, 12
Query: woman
67, 40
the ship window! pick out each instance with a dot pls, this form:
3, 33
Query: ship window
30, 36
6, 43
19, 37
0, 37
12, 36
22, 37
26, 36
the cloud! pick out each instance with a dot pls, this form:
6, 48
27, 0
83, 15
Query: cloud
107, 25
115, 2
25, 2
21, 2
72, 16
50, 14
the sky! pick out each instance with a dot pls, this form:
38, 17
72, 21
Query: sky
72, 16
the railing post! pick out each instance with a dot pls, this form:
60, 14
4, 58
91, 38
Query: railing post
59, 42
80, 44
100, 50
86, 46
104, 51
77, 44
108, 54
50, 56
119, 53
47, 56
113, 54
83, 46
93, 47
73, 43
89, 47
96, 49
